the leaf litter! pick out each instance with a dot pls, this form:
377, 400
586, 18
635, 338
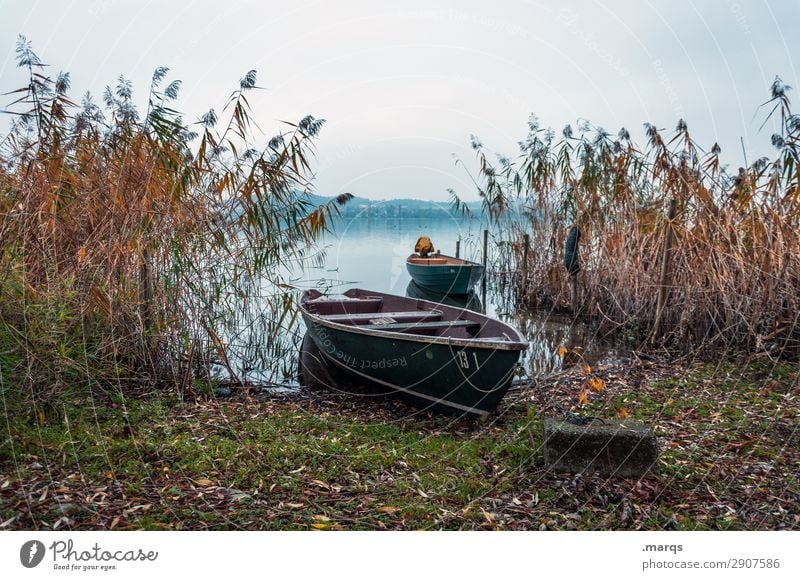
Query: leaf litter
729, 459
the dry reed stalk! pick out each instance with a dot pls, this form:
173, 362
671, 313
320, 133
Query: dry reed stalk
733, 272
125, 236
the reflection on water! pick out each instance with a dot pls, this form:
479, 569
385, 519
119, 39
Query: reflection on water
371, 254
469, 301
548, 331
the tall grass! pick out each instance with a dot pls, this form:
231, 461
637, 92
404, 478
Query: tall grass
730, 277
130, 240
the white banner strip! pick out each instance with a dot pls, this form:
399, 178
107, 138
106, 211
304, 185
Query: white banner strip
388, 555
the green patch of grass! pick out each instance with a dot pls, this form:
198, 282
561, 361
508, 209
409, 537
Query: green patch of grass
285, 466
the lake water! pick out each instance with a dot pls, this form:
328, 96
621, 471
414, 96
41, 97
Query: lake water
371, 253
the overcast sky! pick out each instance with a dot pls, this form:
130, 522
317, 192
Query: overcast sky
403, 84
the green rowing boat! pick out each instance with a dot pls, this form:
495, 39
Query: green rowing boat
440, 357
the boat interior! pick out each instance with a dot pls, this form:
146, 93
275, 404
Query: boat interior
398, 314
436, 260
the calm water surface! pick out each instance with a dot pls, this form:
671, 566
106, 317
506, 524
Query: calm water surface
371, 254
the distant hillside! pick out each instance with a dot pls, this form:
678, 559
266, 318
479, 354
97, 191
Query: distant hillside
406, 208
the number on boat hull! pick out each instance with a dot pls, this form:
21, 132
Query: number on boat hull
463, 360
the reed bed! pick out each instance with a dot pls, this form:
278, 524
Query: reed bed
675, 249
131, 242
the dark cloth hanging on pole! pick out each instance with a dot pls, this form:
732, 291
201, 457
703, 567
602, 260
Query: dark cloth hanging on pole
571, 261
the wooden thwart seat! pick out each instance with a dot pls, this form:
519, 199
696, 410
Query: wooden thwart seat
366, 318
345, 306
469, 325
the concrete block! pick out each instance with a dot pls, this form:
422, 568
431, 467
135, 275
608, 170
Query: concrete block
616, 448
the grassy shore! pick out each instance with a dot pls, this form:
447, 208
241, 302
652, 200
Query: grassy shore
324, 460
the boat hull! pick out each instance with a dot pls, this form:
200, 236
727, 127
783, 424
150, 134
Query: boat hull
456, 279
457, 379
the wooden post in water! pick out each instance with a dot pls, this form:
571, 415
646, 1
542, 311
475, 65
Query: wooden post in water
458, 248
664, 281
526, 240
575, 303
485, 264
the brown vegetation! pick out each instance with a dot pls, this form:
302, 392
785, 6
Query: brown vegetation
674, 249
128, 240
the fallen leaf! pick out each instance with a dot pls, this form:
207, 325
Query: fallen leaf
8, 522
204, 482
562, 352
61, 520
388, 509
597, 385
623, 413
583, 397
320, 526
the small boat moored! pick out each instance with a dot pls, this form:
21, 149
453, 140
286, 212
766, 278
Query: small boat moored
440, 357
444, 274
